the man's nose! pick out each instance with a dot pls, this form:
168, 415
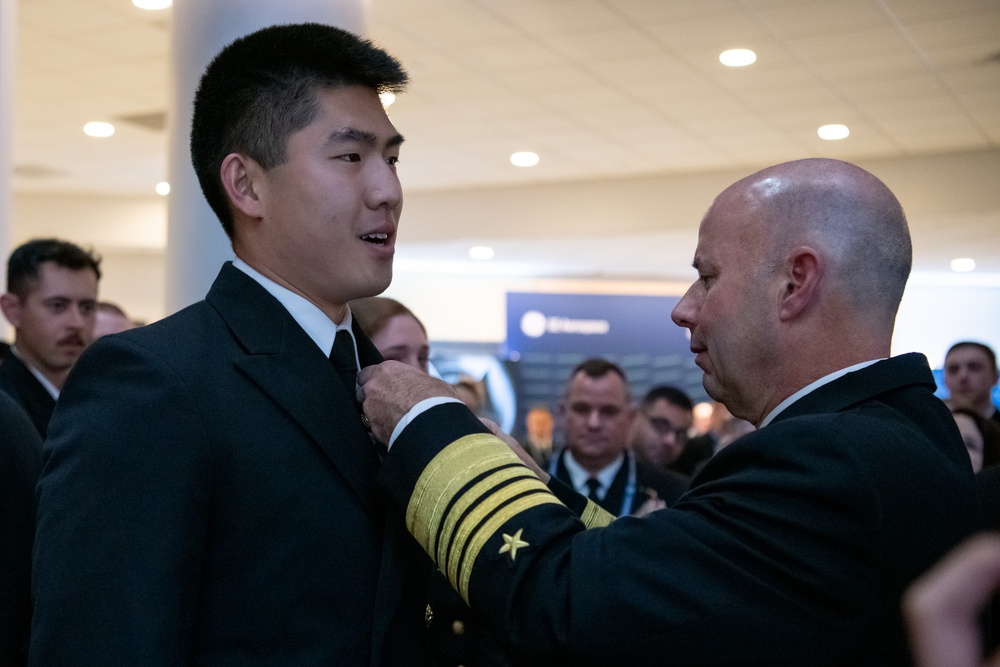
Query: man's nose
77, 319
683, 313
385, 190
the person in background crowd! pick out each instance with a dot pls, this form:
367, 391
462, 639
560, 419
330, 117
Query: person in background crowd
111, 319
595, 460
724, 428
208, 491
50, 301
970, 374
796, 542
471, 393
981, 437
659, 435
394, 330
20, 464
538, 437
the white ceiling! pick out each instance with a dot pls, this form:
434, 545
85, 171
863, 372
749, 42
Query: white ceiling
599, 88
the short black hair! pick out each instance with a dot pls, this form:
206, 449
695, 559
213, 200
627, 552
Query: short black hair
671, 395
24, 264
985, 349
262, 88
597, 368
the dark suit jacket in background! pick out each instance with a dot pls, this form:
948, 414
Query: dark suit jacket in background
793, 546
208, 498
668, 486
17, 380
697, 451
20, 463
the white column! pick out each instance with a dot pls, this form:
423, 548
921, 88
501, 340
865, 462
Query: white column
8, 60
196, 244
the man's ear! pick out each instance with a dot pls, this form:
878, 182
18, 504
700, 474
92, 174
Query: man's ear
241, 179
11, 306
803, 273
631, 417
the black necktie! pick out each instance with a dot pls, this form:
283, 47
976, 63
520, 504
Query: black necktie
344, 361
594, 485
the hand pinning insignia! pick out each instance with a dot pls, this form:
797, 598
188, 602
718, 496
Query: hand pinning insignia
512, 544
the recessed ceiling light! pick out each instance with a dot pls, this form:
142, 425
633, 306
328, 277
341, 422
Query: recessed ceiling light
387, 99
833, 132
737, 57
481, 252
98, 129
152, 4
163, 188
524, 159
963, 265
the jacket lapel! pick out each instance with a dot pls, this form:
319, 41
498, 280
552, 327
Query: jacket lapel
285, 363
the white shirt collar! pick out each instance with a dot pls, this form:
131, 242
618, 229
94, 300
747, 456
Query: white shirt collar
809, 388
44, 381
308, 316
579, 476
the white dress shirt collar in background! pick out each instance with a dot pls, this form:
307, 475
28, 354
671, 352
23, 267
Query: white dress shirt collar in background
44, 381
579, 475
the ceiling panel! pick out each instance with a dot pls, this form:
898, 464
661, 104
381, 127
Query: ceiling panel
601, 88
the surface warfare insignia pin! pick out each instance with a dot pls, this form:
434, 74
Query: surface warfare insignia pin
512, 544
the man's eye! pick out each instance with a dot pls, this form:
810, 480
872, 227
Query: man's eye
351, 157
393, 160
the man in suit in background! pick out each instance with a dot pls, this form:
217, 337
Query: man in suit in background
597, 419
208, 488
20, 463
970, 373
796, 542
659, 436
51, 302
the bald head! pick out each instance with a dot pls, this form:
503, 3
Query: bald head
844, 212
801, 268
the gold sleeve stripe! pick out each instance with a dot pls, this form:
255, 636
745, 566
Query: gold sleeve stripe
462, 504
595, 516
466, 526
443, 478
463, 496
489, 529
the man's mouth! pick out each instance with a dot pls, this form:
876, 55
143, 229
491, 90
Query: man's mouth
377, 238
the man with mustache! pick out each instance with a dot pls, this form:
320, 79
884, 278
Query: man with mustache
51, 302
796, 542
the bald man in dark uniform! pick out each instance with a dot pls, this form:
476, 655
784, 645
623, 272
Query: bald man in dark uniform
795, 543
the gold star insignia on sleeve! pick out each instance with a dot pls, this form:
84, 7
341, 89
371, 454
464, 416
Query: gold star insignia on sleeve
512, 544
